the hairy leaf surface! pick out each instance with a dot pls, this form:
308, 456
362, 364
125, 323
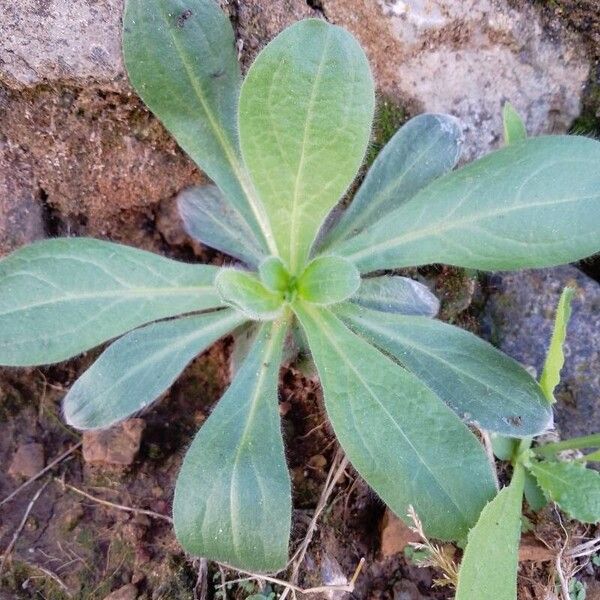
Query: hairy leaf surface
489, 565
181, 59
245, 292
209, 218
140, 366
514, 208
306, 109
328, 280
395, 294
387, 422
422, 150
572, 486
61, 297
232, 500
478, 382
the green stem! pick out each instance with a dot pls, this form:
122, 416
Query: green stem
586, 441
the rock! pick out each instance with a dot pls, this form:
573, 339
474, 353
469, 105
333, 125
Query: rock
118, 445
467, 57
27, 461
519, 317
395, 535
60, 40
127, 592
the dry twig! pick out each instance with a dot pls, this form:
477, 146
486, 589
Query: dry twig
47, 468
20, 527
140, 511
438, 557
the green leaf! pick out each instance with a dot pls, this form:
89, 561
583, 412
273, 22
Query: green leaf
481, 384
244, 291
306, 109
395, 294
576, 443
61, 297
592, 457
274, 275
401, 438
210, 219
181, 59
504, 447
140, 366
534, 203
514, 128
533, 493
422, 150
573, 487
232, 500
489, 565
328, 280
555, 358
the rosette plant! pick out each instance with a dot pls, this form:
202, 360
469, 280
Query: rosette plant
283, 147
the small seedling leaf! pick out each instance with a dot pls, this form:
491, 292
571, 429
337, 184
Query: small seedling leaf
232, 500
140, 366
244, 291
511, 209
61, 297
210, 219
514, 128
555, 358
386, 420
533, 493
328, 280
306, 109
489, 564
572, 486
422, 150
395, 294
478, 382
274, 274
181, 59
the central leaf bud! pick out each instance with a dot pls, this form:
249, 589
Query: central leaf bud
328, 280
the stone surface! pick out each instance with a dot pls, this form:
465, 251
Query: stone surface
27, 461
60, 40
118, 445
395, 534
127, 592
467, 57
519, 318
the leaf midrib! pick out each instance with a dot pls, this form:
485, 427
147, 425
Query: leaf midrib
327, 333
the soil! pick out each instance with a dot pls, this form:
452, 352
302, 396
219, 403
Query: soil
71, 546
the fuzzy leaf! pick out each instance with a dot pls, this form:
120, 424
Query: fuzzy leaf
401, 438
478, 382
181, 59
533, 493
534, 203
140, 366
210, 219
245, 292
422, 150
395, 294
489, 565
232, 499
273, 274
61, 297
328, 280
514, 128
306, 109
573, 487
555, 358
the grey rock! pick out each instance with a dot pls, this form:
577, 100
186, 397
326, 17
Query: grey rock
519, 316
466, 57
44, 41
